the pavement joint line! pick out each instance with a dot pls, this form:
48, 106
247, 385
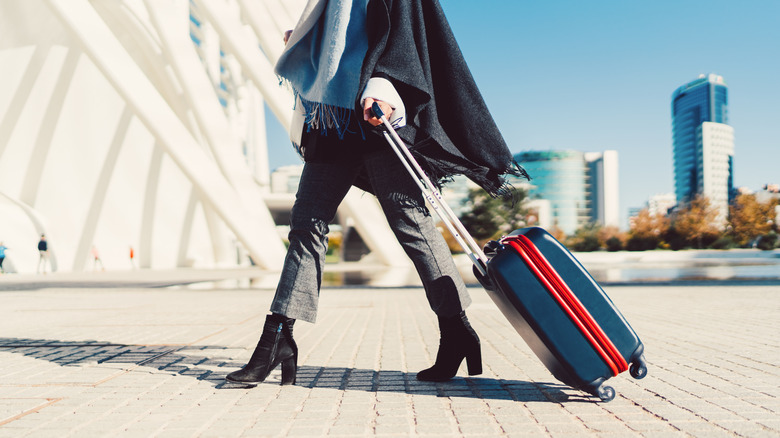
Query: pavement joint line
49, 402
685, 409
644, 408
692, 394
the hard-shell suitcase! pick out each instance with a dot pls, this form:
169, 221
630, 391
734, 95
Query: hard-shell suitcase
546, 294
561, 312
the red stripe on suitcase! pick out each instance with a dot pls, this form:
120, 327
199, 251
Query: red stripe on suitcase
532, 265
585, 316
569, 302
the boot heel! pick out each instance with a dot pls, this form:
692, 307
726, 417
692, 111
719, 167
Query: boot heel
289, 370
474, 362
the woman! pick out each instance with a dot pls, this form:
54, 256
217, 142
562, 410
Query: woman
342, 56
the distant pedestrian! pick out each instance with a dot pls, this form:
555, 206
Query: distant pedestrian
96, 259
3, 248
43, 251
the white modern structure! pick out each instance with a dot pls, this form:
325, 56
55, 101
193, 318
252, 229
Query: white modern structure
141, 123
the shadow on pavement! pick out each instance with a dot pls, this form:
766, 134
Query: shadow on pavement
357, 379
212, 363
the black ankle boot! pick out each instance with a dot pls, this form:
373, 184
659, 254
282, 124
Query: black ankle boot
458, 341
276, 346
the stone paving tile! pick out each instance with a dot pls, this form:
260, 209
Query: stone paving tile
151, 362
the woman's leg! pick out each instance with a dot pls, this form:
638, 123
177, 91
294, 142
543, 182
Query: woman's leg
320, 191
402, 202
404, 206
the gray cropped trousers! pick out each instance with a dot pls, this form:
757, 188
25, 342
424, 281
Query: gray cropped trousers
322, 187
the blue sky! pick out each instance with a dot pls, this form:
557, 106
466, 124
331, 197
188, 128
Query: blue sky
597, 75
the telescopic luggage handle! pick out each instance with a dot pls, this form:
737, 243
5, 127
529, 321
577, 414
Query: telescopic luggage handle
432, 195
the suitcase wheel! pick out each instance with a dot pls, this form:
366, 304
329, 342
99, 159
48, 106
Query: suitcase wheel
605, 393
638, 368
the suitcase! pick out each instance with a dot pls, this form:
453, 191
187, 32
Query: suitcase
546, 294
561, 312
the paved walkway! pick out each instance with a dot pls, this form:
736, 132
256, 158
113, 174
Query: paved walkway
92, 356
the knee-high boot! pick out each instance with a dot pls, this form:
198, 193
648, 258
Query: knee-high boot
458, 341
276, 346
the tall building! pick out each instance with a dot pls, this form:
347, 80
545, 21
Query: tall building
715, 176
703, 142
604, 185
581, 187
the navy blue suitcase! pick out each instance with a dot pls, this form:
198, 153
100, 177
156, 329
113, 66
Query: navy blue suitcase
544, 292
583, 339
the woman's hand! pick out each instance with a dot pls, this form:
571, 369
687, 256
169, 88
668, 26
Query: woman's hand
368, 115
287, 34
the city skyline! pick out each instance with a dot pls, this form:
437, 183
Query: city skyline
593, 77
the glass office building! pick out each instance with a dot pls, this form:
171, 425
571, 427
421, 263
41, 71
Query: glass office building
560, 178
702, 100
581, 187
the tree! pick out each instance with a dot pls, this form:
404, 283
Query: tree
611, 238
696, 223
586, 238
767, 242
647, 231
489, 218
749, 219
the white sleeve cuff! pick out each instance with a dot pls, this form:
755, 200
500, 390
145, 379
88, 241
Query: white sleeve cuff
382, 89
